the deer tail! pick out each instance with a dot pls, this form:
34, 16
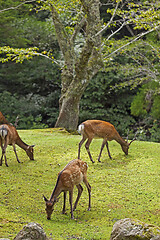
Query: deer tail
3, 131
81, 128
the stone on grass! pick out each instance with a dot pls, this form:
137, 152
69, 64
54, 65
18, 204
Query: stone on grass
31, 231
129, 229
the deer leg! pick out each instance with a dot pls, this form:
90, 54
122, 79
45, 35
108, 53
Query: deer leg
70, 201
1, 160
87, 148
5, 160
108, 150
89, 191
103, 144
14, 148
64, 204
4, 153
80, 145
80, 190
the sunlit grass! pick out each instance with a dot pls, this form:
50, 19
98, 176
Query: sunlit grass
126, 186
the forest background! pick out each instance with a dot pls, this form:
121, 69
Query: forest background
124, 92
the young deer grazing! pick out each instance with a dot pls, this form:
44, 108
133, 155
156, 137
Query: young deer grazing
73, 174
9, 136
100, 129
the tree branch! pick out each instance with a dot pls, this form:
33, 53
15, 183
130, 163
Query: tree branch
92, 47
63, 39
13, 8
133, 40
43, 55
110, 21
77, 29
123, 24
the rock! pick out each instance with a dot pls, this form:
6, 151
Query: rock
129, 229
31, 231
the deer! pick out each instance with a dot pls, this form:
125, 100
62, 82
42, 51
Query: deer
72, 175
100, 129
10, 136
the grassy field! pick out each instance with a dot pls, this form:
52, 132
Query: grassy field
124, 187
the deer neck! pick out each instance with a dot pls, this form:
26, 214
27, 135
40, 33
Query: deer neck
120, 140
57, 190
21, 144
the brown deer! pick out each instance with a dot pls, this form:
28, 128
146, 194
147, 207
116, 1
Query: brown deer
9, 136
73, 174
100, 129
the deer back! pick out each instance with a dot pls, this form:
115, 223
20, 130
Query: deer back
72, 174
99, 129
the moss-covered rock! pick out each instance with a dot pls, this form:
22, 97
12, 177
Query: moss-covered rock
129, 229
31, 231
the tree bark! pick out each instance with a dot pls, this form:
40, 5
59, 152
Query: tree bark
77, 70
69, 112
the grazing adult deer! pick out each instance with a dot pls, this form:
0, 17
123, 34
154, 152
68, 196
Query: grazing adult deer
100, 129
9, 136
73, 174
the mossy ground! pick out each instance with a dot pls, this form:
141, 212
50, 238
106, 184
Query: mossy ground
124, 187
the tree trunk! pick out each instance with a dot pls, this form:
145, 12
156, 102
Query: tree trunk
78, 69
69, 112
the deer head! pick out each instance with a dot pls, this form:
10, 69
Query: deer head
49, 206
30, 151
127, 145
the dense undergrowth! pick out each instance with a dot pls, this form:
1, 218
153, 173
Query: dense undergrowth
124, 187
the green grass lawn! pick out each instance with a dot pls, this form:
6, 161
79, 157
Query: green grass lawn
124, 187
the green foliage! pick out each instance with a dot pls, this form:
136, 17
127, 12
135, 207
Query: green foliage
138, 105
9, 33
37, 76
124, 187
145, 106
33, 111
26, 109
37, 33
35, 83
147, 101
155, 111
30, 39
100, 102
155, 131
138, 62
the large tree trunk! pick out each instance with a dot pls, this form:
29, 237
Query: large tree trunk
69, 112
77, 70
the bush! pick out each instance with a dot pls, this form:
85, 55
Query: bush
26, 108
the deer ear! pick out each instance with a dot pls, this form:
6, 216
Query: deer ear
45, 199
32, 145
